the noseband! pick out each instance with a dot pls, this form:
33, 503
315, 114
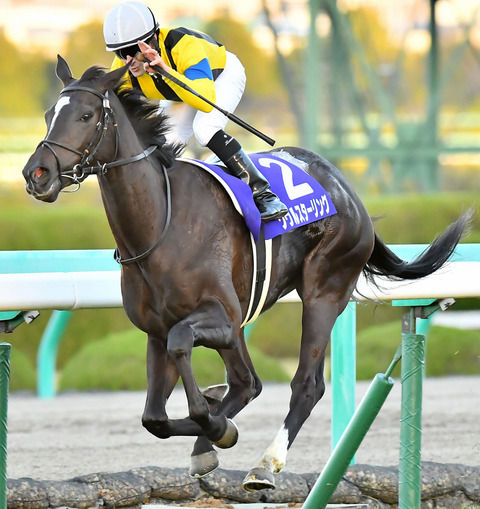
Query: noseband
84, 168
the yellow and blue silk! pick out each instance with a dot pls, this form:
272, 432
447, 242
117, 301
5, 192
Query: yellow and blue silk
195, 59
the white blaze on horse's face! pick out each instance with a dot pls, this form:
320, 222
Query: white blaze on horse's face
62, 102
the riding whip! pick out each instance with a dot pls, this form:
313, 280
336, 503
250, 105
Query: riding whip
229, 115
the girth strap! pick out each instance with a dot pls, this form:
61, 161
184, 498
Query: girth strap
262, 268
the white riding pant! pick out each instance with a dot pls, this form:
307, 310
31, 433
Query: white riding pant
185, 121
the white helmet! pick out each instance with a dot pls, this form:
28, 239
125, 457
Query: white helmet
127, 23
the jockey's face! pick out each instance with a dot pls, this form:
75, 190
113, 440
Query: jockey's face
136, 67
135, 57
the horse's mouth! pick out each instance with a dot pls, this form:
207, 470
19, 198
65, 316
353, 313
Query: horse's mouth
41, 186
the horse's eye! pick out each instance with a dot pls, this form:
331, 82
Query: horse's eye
86, 117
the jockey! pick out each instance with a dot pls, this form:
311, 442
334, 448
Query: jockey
132, 33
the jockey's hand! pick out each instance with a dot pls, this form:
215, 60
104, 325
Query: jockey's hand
153, 58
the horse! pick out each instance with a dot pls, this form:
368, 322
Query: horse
186, 262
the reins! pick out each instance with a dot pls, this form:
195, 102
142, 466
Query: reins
84, 168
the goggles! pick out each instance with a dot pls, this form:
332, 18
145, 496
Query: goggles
129, 51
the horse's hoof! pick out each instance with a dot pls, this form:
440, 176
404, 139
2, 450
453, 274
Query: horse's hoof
214, 395
229, 438
215, 392
259, 479
203, 464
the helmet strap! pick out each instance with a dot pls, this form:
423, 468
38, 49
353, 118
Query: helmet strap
154, 41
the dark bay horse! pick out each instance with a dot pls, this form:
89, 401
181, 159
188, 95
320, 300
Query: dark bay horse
187, 264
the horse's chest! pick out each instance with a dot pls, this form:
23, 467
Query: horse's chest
154, 304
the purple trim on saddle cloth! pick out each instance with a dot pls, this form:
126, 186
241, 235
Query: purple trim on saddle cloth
239, 193
306, 199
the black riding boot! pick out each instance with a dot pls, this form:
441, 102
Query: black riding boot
268, 203
229, 151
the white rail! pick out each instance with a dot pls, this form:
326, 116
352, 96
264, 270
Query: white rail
60, 290
455, 279
101, 289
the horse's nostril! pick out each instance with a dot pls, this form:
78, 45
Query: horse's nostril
39, 172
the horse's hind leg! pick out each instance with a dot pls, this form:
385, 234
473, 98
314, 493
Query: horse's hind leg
307, 388
328, 282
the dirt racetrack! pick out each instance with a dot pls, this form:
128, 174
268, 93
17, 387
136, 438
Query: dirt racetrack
81, 433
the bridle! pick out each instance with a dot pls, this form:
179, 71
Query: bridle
84, 167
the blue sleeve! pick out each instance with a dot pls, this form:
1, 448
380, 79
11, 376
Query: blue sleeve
199, 71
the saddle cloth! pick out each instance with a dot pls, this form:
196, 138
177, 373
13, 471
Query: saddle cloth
306, 200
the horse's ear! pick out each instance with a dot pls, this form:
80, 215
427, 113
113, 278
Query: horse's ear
63, 72
111, 79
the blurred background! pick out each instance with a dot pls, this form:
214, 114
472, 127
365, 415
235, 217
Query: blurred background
388, 91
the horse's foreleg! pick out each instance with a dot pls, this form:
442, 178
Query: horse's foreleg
243, 386
243, 381
210, 326
204, 457
162, 376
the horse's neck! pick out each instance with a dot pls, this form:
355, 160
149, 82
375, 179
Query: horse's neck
133, 196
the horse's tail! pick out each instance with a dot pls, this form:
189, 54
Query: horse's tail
384, 262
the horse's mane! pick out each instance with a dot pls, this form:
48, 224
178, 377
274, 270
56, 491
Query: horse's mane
147, 118
150, 124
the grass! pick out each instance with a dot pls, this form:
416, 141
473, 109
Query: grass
117, 362
22, 372
448, 351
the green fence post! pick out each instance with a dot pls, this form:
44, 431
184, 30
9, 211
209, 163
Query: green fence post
4, 384
423, 327
343, 372
413, 359
47, 353
351, 439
